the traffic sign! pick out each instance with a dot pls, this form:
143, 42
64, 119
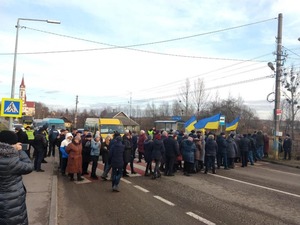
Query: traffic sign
11, 107
278, 112
222, 120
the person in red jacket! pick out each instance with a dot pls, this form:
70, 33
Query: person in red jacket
141, 139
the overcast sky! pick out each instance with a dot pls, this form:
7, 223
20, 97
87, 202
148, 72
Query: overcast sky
107, 52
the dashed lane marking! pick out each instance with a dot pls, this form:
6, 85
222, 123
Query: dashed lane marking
140, 188
201, 219
259, 186
164, 200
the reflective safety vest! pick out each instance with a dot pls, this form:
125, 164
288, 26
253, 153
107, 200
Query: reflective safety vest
46, 135
30, 134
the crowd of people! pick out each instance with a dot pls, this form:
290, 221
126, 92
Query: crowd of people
164, 152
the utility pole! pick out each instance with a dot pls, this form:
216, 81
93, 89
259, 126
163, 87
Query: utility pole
130, 103
75, 119
277, 110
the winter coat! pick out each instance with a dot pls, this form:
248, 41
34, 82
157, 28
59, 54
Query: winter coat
127, 142
188, 151
171, 147
211, 147
148, 148
134, 144
259, 139
86, 150
75, 157
287, 144
95, 148
104, 152
198, 151
13, 164
116, 154
244, 144
266, 143
141, 141
40, 142
158, 149
63, 148
231, 148
222, 144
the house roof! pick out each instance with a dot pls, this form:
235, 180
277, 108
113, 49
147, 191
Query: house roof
123, 117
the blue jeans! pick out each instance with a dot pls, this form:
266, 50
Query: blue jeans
225, 160
116, 176
260, 152
250, 157
107, 168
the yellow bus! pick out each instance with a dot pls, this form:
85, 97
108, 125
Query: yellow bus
104, 125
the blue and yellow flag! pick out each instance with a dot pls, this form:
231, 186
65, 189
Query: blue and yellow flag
189, 125
233, 125
211, 123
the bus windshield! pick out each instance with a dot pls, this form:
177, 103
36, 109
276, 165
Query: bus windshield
109, 129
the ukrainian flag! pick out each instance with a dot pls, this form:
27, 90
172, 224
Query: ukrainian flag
211, 123
233, 125
189, 125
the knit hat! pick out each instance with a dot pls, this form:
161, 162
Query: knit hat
9, 137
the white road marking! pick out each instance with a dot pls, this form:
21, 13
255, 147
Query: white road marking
140, 188
201, 219
278, 171
164, 200
259, 186
126, 181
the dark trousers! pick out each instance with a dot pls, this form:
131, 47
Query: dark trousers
219, 159
148, 168
94, 160
188, 167
210, 163
51, 148
141, 154
244, 156
38, 159
64, 162
287, 153
85, 166
169, 165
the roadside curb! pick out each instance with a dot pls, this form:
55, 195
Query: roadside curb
280, 163
53, 202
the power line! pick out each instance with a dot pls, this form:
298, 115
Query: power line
129, 47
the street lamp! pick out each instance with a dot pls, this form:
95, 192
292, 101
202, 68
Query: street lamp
15, 58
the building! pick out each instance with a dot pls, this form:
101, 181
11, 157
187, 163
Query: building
128, 123
28, 107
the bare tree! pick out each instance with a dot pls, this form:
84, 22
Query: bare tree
164, 109
184, 96
290, 82
177, 109
199, 95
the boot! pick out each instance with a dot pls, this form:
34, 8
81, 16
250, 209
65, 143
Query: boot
79, 178
71, 177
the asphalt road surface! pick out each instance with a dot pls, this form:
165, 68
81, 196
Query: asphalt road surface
261, 194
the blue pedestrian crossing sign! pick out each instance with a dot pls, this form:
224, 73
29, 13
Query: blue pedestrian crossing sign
11, 107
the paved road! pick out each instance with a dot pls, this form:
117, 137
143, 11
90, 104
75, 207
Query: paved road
260, 194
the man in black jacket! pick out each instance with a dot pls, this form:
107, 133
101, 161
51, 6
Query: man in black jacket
287, 147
